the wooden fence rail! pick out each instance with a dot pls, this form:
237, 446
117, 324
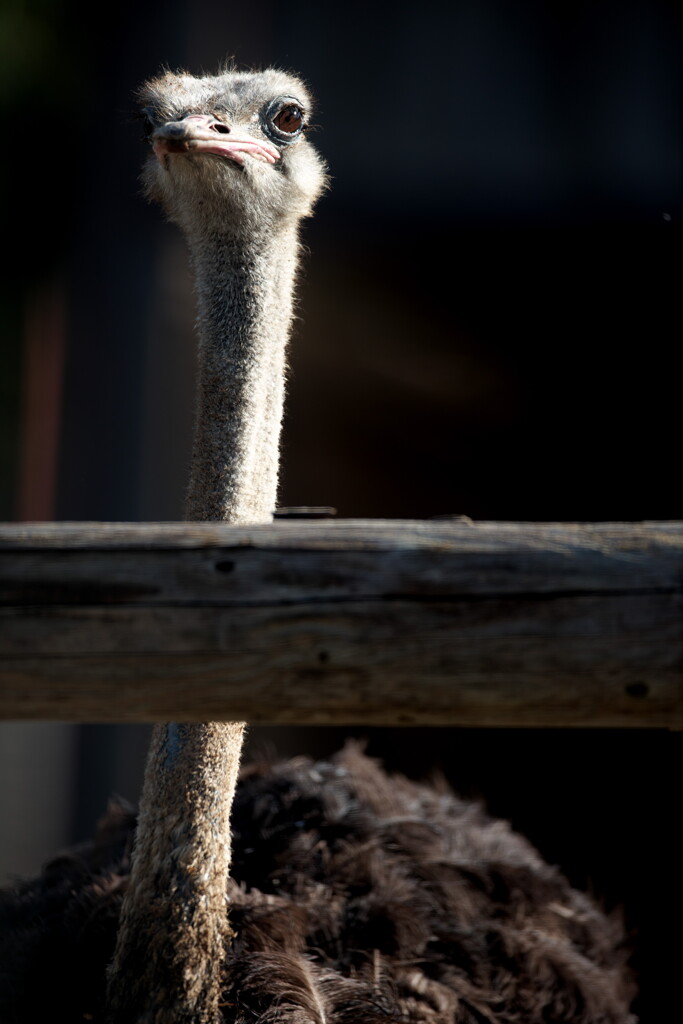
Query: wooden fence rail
344, 622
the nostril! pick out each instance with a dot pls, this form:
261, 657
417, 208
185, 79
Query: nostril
222, 128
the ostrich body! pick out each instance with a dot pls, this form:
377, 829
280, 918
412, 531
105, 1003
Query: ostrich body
352, 898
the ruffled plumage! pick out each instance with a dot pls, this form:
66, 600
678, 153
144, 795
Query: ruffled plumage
354, 897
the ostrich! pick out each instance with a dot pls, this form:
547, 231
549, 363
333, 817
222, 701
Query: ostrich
307, 893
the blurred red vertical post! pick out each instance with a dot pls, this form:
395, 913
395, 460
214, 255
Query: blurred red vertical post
43, 350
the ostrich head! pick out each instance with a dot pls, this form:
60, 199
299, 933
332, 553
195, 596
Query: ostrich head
230, 153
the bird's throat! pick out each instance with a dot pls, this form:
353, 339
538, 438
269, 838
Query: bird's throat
244, 289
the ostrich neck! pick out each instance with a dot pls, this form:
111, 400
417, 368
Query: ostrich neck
174, 924
244, 288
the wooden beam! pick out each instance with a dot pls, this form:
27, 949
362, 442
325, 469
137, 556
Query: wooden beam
344, 622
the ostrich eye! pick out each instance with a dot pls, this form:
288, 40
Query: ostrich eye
290, 119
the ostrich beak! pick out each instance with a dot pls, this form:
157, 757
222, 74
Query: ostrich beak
201, 133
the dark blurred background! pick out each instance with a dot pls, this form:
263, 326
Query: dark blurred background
488, 314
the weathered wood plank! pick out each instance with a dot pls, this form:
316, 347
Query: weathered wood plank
344, 622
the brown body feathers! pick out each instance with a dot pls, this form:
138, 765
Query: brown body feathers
355, 898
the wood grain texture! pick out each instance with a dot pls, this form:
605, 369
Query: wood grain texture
344, 622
